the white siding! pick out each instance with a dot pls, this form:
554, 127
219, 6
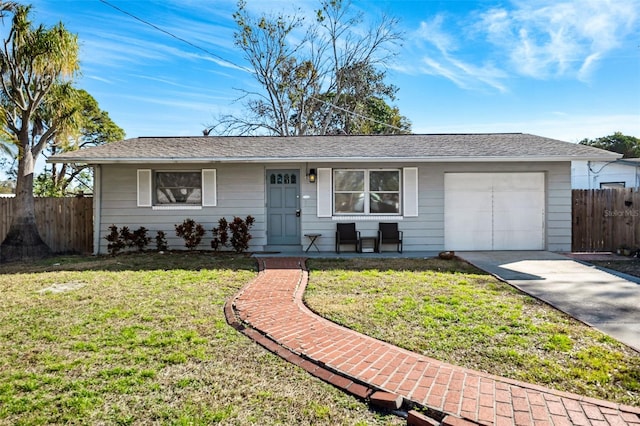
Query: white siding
426, 231
585, 175
241, 191
559, 207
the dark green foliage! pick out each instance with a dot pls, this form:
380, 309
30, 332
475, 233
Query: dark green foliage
119, 240
192, 233
115, 241
220, 234
629, 146
126, 236
161, 241
240, 235
140, 238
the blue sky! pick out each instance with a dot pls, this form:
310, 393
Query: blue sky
562, 69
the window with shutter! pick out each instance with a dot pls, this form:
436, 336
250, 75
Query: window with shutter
177, 189
368, 192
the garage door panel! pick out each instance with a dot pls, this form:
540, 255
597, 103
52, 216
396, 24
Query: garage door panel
515, 240
477, 240
519, 217
473, 202
460, 182
474, 221
526, 221
505, 201
468, 212
517, 182
494, 211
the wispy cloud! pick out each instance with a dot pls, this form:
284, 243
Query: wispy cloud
542, 40
552, 39
441, 58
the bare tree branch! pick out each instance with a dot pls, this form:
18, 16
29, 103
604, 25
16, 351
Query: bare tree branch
318, 84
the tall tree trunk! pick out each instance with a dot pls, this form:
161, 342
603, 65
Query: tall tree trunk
23, 241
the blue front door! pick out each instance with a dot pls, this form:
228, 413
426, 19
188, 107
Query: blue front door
283, 221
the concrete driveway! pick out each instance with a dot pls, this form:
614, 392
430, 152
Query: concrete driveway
603, 300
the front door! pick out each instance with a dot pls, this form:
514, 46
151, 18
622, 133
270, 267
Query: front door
283, 223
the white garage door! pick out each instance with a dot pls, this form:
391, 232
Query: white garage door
494, 211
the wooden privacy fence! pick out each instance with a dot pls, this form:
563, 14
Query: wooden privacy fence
65, 224
605, 219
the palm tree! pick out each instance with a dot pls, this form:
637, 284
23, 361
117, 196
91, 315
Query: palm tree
37, 65
6, 143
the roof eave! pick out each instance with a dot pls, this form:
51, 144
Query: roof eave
317, 159
626, 162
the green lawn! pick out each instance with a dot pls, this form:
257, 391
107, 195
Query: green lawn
143, 340
450, 311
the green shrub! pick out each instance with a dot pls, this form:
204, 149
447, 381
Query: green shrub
240, 235
124, 238
116, 242
220, 234
161, 241
192, 233
140, 239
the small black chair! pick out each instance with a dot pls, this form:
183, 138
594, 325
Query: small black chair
346, 234
388, 234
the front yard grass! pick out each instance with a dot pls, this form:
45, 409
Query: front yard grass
450, 311
141, 339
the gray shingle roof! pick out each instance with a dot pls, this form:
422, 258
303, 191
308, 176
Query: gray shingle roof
420, 148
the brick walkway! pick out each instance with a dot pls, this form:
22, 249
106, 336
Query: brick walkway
270, 310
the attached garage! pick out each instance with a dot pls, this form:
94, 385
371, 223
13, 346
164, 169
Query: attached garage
494, 211
492, 191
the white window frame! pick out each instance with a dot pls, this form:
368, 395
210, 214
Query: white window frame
367, 191
612, 185
146, 186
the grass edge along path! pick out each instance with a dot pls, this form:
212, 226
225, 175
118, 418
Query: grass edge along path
273, 305
452, 312
141, 339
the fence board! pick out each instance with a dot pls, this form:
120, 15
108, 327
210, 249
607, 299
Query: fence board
605, 219
65, 224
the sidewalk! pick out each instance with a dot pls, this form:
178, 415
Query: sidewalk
270, 310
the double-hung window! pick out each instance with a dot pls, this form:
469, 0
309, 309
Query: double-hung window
175, 189
358, 191
178, 188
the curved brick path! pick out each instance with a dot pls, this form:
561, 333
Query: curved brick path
270, 310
